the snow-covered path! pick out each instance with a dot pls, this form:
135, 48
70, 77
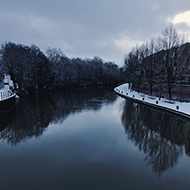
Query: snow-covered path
181, 108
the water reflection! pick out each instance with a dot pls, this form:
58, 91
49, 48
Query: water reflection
7, 118
35, 113
161, 136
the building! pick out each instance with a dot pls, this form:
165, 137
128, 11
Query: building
168, 67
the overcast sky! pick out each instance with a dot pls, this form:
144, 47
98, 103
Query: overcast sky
88, 28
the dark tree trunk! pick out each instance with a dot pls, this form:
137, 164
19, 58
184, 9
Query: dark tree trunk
170, 91
150, 88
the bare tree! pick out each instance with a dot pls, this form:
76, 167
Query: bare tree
133, 69
169, 41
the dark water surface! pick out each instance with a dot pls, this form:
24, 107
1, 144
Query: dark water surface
92, 139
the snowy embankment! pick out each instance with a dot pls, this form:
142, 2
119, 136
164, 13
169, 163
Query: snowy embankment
181, 108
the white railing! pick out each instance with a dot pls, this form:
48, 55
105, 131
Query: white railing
5, 95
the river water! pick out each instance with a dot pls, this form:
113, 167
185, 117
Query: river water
92, 139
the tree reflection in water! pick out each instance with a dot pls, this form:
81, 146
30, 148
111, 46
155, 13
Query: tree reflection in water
161, 136
33, 114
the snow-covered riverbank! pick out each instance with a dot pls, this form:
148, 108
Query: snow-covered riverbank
181, 108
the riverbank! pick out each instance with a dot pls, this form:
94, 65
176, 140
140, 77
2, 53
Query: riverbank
180, 108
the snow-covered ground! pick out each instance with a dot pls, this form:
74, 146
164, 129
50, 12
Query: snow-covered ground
182, 108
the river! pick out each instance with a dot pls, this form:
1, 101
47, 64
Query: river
92, 139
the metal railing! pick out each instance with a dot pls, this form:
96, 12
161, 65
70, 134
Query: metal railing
6, 94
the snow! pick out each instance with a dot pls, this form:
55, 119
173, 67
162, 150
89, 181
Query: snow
183, 107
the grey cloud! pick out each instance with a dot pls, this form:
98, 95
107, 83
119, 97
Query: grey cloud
79, 27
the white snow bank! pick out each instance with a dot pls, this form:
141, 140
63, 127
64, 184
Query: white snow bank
175, 106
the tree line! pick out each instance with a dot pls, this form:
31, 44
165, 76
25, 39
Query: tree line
157, 63
31, 70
